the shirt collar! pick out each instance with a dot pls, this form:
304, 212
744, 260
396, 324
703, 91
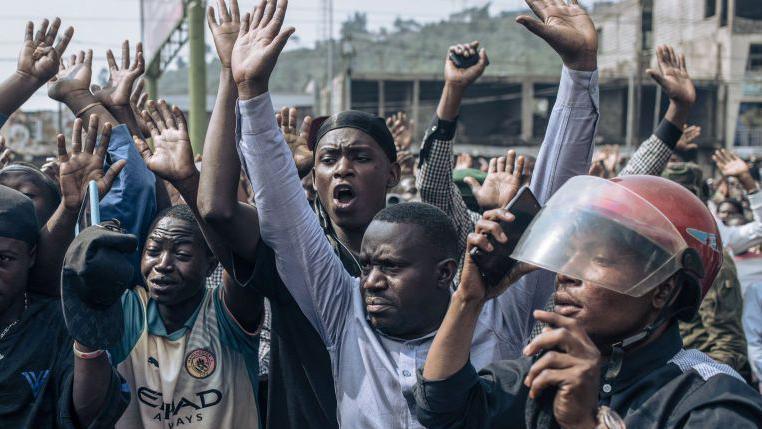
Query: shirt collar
648, 358
156, 324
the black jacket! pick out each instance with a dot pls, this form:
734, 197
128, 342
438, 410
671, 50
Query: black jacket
659, 386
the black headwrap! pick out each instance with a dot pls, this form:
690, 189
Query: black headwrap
17, 216
371, 125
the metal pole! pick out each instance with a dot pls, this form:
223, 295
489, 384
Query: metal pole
197, 75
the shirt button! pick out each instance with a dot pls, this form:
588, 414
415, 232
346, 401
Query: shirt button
607, 388
406, 373
434, 128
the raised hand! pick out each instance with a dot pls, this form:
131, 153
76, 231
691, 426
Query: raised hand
138, 100
463, 161
38, 58
731, 165
85, 163
673, 77
572, 365
690, 134
296, 140
226, 31
402, 130
172, 158
567, 28
503, 181
73, 79
260, 42
463, 78
118, 90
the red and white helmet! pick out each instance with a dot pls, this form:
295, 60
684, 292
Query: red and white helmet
628, 234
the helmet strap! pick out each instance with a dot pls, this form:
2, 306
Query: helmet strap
619, 348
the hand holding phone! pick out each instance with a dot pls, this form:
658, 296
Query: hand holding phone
463, 62
495, 265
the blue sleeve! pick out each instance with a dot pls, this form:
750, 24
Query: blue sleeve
566, 152
132, 198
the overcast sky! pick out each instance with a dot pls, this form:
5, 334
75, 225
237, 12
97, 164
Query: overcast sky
103, 24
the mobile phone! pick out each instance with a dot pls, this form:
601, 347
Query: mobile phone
462, 62
495, 265
89, 212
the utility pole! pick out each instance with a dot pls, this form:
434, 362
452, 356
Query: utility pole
197, 74
328, 37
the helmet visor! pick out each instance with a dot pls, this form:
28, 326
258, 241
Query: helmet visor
600, 232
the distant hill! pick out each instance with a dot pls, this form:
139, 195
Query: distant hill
409, 47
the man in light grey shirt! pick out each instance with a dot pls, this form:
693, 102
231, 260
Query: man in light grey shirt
378, 329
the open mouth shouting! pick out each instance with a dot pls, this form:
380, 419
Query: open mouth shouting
343, 196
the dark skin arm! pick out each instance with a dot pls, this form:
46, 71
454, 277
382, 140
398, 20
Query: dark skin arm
236, 222
672, 76
173, 162
71, 86
83, 163
458, 80
38, 63
117, 92
92, 379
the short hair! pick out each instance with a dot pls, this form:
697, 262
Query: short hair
435, 225
181, 212
733, 202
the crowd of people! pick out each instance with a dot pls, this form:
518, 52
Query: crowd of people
321, 273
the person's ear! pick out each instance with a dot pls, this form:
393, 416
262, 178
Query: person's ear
664, 293
446, 270
395, 173
314, 185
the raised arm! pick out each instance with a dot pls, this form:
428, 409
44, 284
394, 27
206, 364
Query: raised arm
652, 156
77, 168
566, 149
306, 262
172, 160
740, 238
116, 94
437, 159
234, 221
38, 63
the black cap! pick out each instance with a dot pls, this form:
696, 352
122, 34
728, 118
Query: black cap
17, 216
97, 270
371, 125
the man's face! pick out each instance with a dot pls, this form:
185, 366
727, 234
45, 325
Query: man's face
727, 210
16, 258
352, 175
175, 261
607, 316
402, 280
40, 195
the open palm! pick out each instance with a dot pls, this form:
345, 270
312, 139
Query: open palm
259, 43
73, 77
226, 31
567, 28
118, 89
38, 57
172, 158
85, 163
672, 76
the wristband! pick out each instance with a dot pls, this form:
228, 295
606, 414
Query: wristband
84, 109
86, 355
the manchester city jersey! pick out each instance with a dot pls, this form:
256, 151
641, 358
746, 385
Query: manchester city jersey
201, 376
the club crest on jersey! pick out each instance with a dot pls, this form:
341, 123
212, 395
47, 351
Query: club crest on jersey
200, 363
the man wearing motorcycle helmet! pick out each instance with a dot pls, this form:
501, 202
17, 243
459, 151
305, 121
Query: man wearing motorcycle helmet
633, 255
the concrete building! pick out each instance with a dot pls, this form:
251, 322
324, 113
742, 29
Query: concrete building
722, 42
